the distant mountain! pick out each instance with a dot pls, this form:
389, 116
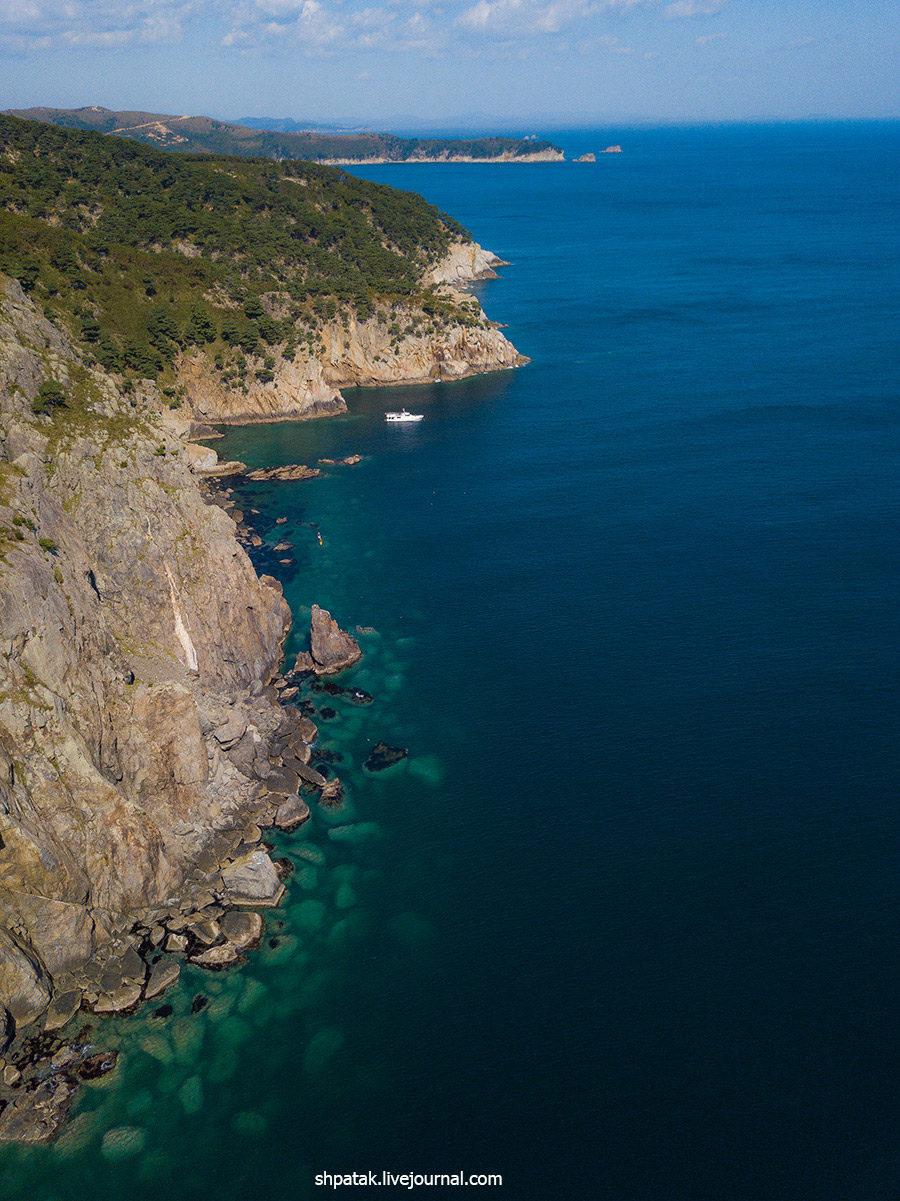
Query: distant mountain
204, 135
289, 125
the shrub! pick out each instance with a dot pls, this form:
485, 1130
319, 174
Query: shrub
47, 544
51, 394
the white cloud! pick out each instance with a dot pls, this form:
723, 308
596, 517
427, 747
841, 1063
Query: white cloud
102, 24
684, 9
328, 26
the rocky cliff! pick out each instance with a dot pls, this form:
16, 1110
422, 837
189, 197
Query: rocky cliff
399, 346
137, 719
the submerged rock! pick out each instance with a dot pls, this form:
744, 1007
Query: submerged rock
122, 1142
384, 756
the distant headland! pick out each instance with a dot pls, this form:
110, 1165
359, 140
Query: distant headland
205, 135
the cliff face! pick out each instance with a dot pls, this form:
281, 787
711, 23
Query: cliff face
449, 156
133, 631
351, 352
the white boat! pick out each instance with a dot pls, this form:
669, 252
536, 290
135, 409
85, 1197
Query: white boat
403, 415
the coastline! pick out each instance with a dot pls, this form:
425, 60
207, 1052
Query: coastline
62, 961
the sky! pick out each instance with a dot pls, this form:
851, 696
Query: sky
507, 63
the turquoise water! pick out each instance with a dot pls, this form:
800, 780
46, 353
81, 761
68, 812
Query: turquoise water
625, 924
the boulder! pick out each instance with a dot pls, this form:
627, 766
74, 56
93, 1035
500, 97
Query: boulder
62, 1009
162, 976
24, 987
244, 930
253, 880
36, 1115
120, 1000
204, 930
332, 793
291, 815
309, 775
216, 958
332, 649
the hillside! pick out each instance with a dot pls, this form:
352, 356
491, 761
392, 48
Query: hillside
231, 280
204, 135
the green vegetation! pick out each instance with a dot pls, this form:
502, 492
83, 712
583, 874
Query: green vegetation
204, 135
143, 254
47, 544
50, 395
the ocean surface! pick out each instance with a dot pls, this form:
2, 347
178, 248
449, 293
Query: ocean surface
626, 924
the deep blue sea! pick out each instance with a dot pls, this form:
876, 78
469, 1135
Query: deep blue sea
626, 924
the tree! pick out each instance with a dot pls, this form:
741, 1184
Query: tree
51, 394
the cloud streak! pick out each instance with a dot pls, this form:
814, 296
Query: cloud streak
321, 26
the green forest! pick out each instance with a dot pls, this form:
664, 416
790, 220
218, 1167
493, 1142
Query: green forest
205, 135
143, 253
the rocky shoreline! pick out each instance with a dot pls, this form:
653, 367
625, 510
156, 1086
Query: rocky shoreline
125, 578
150, 745
389, 349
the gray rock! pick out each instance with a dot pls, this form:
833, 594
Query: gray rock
121, 1000
162, 976
176, 944
229, 733
204, 930
244, 930
24, 987
62, 1009
291, 814
7, 1028
332, 649
133, 967
35, 1116
308, 774
283, 781
216, 958
253, 880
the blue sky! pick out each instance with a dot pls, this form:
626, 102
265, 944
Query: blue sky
538, 61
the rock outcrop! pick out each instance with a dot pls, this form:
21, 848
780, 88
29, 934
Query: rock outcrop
137, 724
464, 262
400, 346
331, 648
292, 471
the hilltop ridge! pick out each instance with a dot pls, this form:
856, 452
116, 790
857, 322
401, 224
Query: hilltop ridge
187, 134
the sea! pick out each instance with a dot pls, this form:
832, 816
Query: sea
624, 925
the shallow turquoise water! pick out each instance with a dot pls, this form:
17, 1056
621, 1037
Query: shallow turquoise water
626, 923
